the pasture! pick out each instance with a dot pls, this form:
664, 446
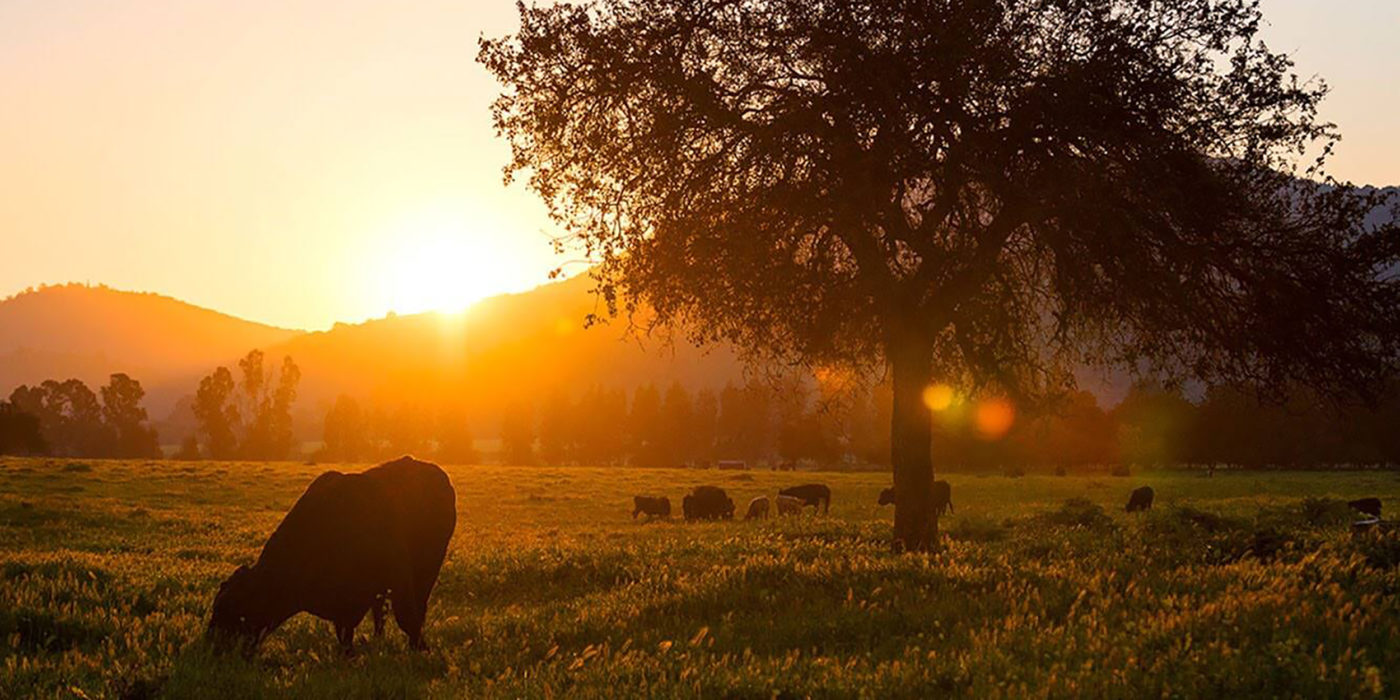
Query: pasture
1241, 583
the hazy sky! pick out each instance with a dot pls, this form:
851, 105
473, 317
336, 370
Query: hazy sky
300, 162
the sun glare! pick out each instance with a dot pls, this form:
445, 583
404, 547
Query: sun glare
440, 263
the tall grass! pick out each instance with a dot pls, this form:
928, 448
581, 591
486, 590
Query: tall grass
1242, 584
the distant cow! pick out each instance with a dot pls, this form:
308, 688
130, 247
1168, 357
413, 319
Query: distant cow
651, 506
707, 503
1141, 499
941, 492
789, 505
815, 495
1369, 506
350, 541
758, 508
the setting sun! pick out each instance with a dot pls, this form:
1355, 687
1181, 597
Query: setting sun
439, 262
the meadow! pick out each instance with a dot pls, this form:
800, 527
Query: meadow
1242, 583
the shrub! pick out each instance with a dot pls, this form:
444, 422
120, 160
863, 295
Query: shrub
1078, 512
976, 528
1381, 547
1325, 511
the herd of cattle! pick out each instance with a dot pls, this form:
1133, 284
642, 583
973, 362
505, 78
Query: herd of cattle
712, 503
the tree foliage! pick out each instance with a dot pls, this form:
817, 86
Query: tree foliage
73, 421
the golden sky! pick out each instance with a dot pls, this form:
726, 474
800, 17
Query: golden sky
301, 162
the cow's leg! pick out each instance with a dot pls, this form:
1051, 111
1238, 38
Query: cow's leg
410, 609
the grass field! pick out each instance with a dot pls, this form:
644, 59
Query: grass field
1232, 585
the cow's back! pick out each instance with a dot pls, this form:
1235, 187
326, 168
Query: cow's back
332, 547
355, 535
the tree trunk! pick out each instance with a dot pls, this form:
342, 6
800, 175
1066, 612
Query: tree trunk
915, 524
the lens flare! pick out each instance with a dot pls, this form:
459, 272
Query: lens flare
994, 417
938, 397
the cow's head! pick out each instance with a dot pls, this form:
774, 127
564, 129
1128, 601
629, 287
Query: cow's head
237, 620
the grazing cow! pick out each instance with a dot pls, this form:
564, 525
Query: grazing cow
815, 495
1141, 499
758, 508
707, 503
651, 506
1369, 506
790, 505
941, 493
348, 543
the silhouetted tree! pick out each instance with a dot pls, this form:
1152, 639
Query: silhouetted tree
601, 417
870, 424
980, 191
346, 431
745, 426
70, 417
122, 411
704, 425
644, 426
1153, 424
217, 414
518, 434
20, 433
189, 449
676, 442
556, 428
1074, 431
455, 444
406, 430
267, 406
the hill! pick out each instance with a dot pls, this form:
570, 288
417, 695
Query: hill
89, 332
509, 348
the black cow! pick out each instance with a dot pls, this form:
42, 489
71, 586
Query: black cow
1141, 499
651, 506
1369, 506
941, 492
349, 542
707, 503
815, 495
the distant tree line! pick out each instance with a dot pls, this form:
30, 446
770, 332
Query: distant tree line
247, 418
68, 419
793, 422
373, 432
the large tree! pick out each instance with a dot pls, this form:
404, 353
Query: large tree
980, 192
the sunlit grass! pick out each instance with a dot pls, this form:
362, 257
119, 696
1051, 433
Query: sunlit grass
1230, 585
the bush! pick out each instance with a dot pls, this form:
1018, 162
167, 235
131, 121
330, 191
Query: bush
1325, 511
1381, 547
1078, 512
975, 528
